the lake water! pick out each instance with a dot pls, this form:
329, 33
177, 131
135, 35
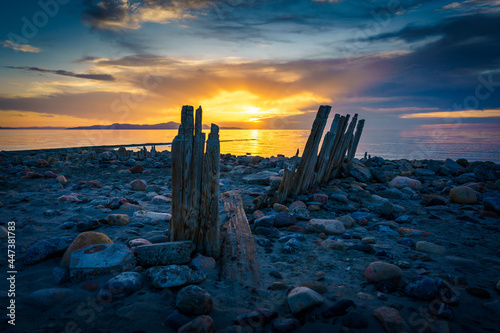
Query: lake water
473, 144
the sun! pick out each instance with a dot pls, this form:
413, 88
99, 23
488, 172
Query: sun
251, 109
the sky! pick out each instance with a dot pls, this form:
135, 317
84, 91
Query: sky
250, 63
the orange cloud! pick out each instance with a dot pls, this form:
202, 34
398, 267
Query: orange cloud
454, 114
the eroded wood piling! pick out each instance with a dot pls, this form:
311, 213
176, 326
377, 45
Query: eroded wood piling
195, 184
337, 151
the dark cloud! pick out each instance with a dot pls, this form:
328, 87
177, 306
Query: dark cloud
99, 77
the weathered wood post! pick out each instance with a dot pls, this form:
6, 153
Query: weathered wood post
195, 184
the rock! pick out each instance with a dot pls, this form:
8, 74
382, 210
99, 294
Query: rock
201, 324
314, 208
391, 320
429, 247
316, 286
260, 178
50, 297
88, 225
138, 242
285, 325
46, 249
412, 232
320, 197
380, 271
329, 227
118, 219
100, 259
420, 172
3, 233
280, 208
338, 197
346, 220
331, 244
478, 292
50, 174
275, 181
121, 286
431, 288
360, 172
463, 162
61, 179
32, 175
339, 309
284, 219
463, 195
391, 193
368, 240
162, 217
174, 276
492, 204
299, 210
176, 320
71, 198
451, 166
354, 319
301, 299
160, 199
201, 262
136, 169
193, 300
401, 182
83, 240
291, 246
258, 317
265, 222
138, 185
498, 286
42, 163
60, 275
404, 219
278, 286
170, 253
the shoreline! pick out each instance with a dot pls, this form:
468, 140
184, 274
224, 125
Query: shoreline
434, 220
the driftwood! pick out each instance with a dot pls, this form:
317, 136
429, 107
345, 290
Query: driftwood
195, 184
238, 248
337, 152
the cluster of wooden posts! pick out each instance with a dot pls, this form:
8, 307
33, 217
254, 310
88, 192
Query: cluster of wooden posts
195, 188
337, 151
195, 184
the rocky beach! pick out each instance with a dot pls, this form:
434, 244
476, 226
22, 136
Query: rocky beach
387, 246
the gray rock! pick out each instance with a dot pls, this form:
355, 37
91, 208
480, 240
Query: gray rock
174, 276
293, 245
360, 172
100, 259
48, 298
492, 203
329, 227
47, 249
260, 178
301, 299
121, 286
170, 253
194, 300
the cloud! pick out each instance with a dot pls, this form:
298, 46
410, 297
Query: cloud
99, 77
20, 47
454, 114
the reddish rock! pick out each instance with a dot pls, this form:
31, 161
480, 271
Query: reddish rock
42, 163
391, 320
296, 228
463, 195
381, 271
31, 175
136, 169
412, 232
90, 286
91, 183
138, 185
50, 174
320, 197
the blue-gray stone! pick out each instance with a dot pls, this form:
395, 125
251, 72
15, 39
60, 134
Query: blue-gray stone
46, 249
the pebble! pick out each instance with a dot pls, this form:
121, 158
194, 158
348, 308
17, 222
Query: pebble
202, 262
404, 219
478, 292
316, 286
339, 309
61, 179
121, 286
138, 185
331, 244
285, 325
391, 320
381, 271
301, 299
193, 300
347, 220
329, 227
88, 225
201, 324
136, 169
430, 288
118, 219
292, 246
429, 247
284, 219
402, 182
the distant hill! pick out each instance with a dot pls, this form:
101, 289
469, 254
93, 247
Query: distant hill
116, 126
32, 128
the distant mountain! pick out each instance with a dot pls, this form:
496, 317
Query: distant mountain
116, 126
32, 128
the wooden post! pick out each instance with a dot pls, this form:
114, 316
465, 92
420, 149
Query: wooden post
195, 184
238, 247
210, 195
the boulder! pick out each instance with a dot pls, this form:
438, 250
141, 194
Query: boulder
360, 172
46, 249
83, 240
193, 300
98, 260
463, 195
301, 299
381, 271
402, 182
138, 185
162, 254
121, 286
